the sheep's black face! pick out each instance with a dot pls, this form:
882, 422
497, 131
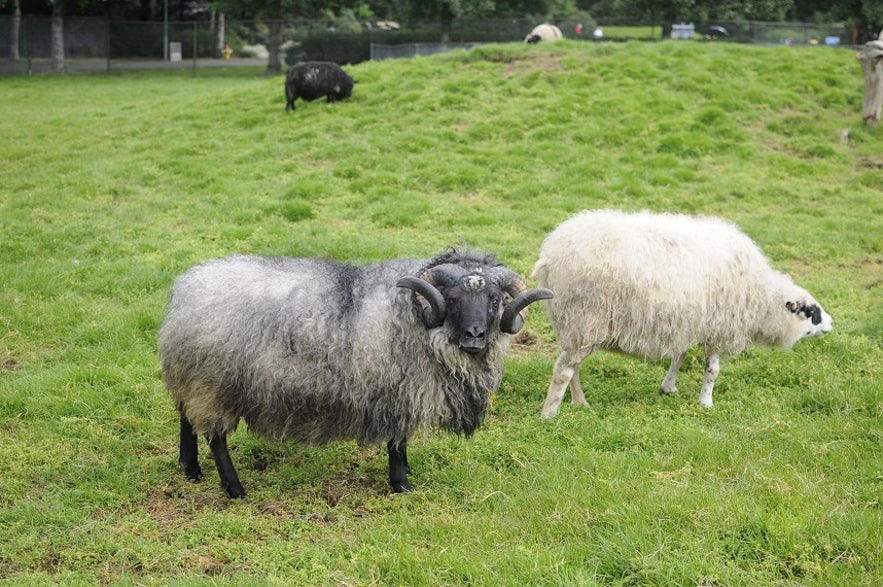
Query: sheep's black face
468, 302
473, 309
345, 91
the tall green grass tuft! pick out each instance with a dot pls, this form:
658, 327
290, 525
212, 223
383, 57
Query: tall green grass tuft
113, 185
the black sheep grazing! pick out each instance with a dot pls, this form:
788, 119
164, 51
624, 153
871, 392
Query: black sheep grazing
313, 79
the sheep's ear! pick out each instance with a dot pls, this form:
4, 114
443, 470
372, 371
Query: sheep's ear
794, 307
815, 312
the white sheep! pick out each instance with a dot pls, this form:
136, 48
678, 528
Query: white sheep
653, 285
544, 32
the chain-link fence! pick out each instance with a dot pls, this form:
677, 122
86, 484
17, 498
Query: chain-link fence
102, 44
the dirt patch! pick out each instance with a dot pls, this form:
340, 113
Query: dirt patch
8, 568
526, 343
345, 488
176, 505
51, 564
211, 567
532, 62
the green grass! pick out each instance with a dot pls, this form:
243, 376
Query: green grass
114, 184
648, 32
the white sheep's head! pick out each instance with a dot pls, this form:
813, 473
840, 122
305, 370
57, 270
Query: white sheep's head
807, 318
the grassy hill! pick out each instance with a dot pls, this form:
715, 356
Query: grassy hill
113, 185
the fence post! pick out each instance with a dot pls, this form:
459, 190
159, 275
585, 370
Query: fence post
871, 58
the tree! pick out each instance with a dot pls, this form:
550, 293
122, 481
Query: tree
765, 10
446, 11
665, 11
274, 13
57, 35
15, 31
58, 9
865, 17
219, 25
670, 11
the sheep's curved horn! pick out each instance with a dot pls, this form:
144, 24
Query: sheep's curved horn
444, 275
433, 315
512, 320
508, 281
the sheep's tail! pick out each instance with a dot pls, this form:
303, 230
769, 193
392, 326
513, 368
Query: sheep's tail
539, 271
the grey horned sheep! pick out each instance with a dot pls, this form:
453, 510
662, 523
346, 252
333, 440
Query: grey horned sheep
315, 351
311, 80
653, 285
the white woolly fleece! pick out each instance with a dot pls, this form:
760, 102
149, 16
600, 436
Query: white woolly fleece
653, 285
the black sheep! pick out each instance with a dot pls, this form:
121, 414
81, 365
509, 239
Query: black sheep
313, 79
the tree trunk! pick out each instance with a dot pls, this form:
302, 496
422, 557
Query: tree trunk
220, 33
274, 46
58, 36
447, 19
668, 21
871, 58
14, 34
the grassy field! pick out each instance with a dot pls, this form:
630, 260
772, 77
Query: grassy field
113, 185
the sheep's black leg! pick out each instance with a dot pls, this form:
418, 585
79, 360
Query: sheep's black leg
398, 466
226, 470
188, 453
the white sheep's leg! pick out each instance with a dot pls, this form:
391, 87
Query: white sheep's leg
576, 391
712, 368
668, 384
561, 377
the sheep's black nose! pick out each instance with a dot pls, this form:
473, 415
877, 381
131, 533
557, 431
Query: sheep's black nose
475, 332
474, 340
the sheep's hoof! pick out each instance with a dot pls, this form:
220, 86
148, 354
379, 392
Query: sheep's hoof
550, 412
235, 491
672, 391
402, 486
192, 471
